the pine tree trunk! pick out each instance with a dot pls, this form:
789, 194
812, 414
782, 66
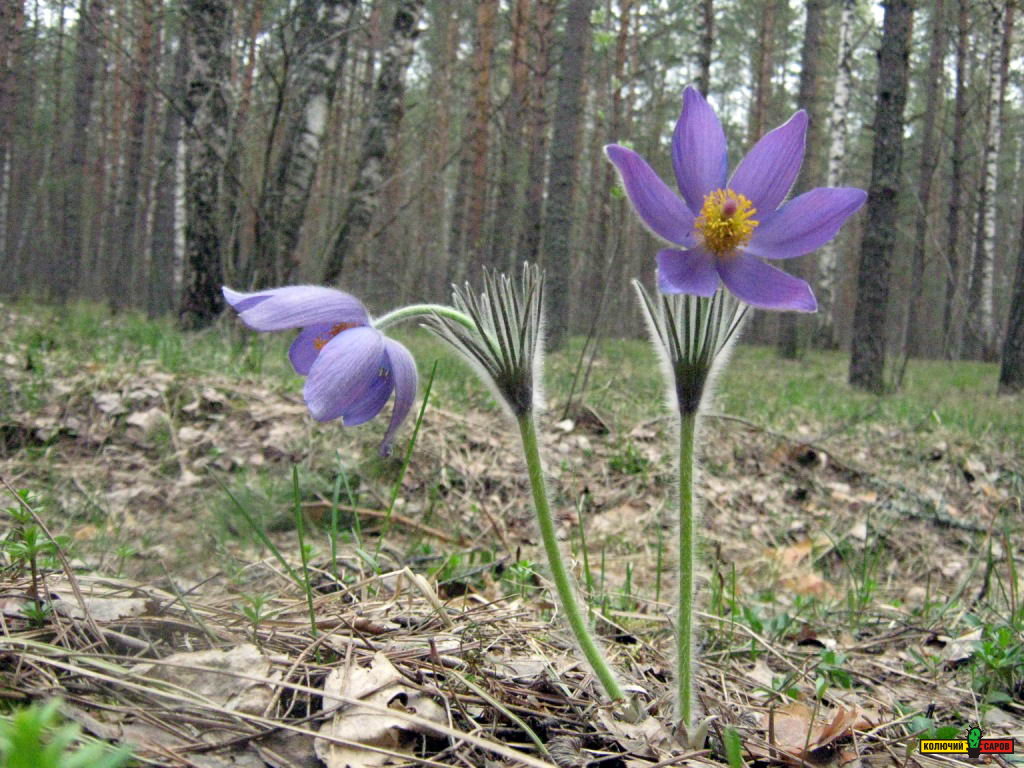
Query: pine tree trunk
507, 220
794, 328
828, 260
476, 205
537, 140
565, 151
86, 60
348, 251
160, 290
208, 25
867, 361
12, 22
913, 334
951, 339
1011, 373
707, 44
979, 341
123, 254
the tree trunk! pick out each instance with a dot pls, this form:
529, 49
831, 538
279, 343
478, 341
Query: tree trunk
208, 25
707, 43
385, 118
565, 151
160, 290
828, 261
123, 252
951, 339
867, 361
979, 341
90, 17
323, 46
507, 220
793, 327
913, 335
12, 22
476, 205
1011, 373
537, 140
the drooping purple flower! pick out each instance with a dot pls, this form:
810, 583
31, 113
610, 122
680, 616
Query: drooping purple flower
351, 367
723, 228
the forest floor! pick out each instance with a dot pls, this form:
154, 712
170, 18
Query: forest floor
860, 582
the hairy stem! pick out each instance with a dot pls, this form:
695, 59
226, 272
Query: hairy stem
563, 582
684, 629
419, 310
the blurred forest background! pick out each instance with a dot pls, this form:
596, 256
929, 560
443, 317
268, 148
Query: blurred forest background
153, 150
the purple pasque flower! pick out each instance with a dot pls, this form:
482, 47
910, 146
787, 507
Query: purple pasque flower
723, 228
351, 367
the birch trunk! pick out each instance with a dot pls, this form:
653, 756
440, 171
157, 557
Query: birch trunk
349, 251
828, 259
1011, 372
951, 339
979, 340
208, 25
324, 45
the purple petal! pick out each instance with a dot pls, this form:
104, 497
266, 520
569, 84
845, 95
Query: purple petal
403, 371
805, 222
768, 171
690, 271
343, 371
763, 286
698, 150
374, 398
657, 205
303, 352
296, 306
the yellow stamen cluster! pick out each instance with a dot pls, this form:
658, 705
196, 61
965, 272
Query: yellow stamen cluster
724, 223
320, 341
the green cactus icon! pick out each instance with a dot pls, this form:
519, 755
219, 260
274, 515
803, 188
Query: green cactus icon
974, 737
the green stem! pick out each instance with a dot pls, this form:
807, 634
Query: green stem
563, 582
684, 630
418, 310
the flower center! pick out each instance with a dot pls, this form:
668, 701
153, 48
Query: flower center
320, 341
724, 223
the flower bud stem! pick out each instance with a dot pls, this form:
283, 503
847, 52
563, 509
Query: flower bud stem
684, 630
418, 310
559, 574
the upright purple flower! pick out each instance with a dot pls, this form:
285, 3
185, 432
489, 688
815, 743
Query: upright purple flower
352, 368
723, 228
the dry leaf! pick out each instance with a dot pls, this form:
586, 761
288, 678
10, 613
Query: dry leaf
796, 737
380, 686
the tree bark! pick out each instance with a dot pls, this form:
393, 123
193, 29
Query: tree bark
124, 247
208, 25
707, 43
565, 151
476, 205
1011, 372
828, 261
794, 328
507, 220
979, 341
385, 118
12, 23
323, 45
913, 334
87, 52
537, 140
867, 362
160, 299
951, 339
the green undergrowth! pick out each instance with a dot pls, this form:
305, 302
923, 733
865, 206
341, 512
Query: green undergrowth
623, 385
